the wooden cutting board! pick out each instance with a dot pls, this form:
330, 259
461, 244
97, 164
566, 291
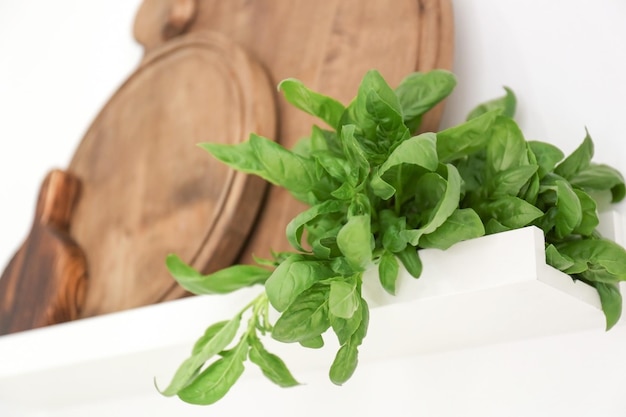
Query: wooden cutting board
44, 282
329, 45
148, 190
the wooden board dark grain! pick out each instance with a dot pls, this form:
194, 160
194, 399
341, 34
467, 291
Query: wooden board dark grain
44, 282
148, 190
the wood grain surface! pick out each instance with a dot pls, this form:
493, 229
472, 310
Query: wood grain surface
149, 191
329, 45
44, 282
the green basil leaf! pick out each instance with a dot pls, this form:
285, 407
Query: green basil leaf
326, 108
316, 342
271, 365
512, 212
547, 156
507, 147
465, 139
345, 364
443, 209
189, 368
344, 297
411, 261
306, 318
463, 224
504, 105
388, 272
391, 225
557, 260
421, 91
493, 226
295, 228
346, 328
355, 155
209, 334
577, 161
221, 282
292, 277
215, 381
569, 211
611, 300
602, 252
511, 181
589, 220
355, 241
600, 177
420, 151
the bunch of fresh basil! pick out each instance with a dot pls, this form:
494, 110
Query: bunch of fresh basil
377, 194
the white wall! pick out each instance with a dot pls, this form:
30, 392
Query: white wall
59, 61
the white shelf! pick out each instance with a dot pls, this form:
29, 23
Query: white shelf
489, 290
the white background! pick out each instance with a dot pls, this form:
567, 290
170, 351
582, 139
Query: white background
61, 60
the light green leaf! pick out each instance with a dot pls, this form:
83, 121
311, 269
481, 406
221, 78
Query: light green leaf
511, 181
504, 105
421, 91
355, 241
602, 252
306, 318
589, 220
343, 299
214, 382
601, 177
326, 108
292, 277
221, 282
316, 342
271, 365
465, 139
295, 228
189, 368
569, 211
463, 224
512, 212
507, 147
388, 272
345, 364
345, 328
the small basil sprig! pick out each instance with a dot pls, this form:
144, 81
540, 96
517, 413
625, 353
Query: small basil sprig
378, 193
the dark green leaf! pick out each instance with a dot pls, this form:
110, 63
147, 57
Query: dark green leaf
444, 208
221, 282
391, 225
493, 226
577, 161
388, 271
600, 177
411, 261
306, 318
511, 212
272, 366
589, 220
547, 156
602, 252
507, 148
611, 300
215, 381
569, 211
463, 224
511, 181
504, 105
326, 108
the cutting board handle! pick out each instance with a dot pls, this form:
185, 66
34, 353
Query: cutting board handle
45, 281
158, 21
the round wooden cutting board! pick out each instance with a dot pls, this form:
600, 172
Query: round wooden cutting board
149, 191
